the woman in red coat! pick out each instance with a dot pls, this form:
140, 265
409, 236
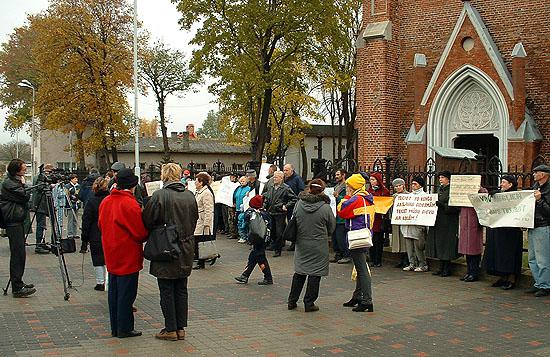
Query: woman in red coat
377, 188
122, 236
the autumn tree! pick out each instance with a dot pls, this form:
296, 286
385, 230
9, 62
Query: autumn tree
148, 128
248, 47
166, 72
211, 128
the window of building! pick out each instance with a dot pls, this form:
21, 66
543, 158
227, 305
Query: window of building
67, 166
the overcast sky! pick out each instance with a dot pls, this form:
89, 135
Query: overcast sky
160, 18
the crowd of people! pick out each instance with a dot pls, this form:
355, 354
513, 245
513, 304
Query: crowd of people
119, 217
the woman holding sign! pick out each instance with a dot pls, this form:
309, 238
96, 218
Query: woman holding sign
504, 246
377, 188
442, 242
356, 209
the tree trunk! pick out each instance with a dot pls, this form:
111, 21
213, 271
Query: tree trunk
304, 159
261, 132
114, 152
80, 154
163, 129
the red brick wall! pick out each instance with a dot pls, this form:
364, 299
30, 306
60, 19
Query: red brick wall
386, 110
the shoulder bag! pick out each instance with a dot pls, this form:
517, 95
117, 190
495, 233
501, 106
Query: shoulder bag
360, 238
291, 230
207, 248
163, 241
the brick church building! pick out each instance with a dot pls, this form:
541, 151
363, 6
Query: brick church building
454, 74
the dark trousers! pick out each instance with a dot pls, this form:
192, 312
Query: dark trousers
312, 289
377, 248
40, 228
363, 283
278, 225
122, 294
473, 262
16, 236
174, 303
340, 241
218, 217
257, 256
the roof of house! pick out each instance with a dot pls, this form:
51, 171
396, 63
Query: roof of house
178, 145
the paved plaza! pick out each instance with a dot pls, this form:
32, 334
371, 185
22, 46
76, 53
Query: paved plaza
416, 314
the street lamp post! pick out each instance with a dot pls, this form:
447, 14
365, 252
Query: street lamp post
137, 168
35, 131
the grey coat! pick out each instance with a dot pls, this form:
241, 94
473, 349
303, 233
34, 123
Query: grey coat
315, 223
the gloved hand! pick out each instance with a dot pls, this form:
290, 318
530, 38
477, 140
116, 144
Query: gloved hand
84, 248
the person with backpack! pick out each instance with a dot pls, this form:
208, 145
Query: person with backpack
257, 223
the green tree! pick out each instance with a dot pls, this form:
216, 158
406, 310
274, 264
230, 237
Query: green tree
249, 47
8, 151
166, 72
211, 128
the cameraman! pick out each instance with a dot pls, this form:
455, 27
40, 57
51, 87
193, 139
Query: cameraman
72, 205
40, 206
14, 205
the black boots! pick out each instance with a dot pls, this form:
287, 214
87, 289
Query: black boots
351, 303
363, 308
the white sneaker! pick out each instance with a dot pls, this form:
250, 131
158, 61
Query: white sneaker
241, 241
421, 269
409, 268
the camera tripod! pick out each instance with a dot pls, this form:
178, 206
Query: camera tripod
56, 238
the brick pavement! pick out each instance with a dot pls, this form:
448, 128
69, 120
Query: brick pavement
415, 315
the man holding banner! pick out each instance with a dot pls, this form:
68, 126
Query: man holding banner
539, 237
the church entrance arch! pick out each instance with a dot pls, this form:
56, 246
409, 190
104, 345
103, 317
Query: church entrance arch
469, 107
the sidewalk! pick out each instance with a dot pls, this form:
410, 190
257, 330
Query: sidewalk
416, 314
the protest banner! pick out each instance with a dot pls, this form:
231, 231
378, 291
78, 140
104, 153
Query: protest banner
461, 186
382, 204
153, 186
249, 195
506, 209
264, 171
329, 191
225, 192
416, 210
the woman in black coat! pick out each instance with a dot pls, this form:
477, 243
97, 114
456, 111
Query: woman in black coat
91, 233
176, 205
504, 247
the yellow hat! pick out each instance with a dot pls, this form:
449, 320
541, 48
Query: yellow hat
356, 181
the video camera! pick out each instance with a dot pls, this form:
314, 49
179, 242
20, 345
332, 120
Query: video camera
56, 176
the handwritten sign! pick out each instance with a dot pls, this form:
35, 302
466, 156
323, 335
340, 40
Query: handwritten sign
152, 187
415, 210
329, 191
461, 186
506, 209
225, 192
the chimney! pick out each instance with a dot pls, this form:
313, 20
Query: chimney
190, 128
173, 134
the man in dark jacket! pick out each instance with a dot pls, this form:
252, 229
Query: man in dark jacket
40, 206
297, 185
339, 240
14, 206
279, 199
539, 237
86, 187
253, 182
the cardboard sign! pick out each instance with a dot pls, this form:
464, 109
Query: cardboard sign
506, 209
382, 204
416, 210
461, 187
264, 171
225, 192
152, 187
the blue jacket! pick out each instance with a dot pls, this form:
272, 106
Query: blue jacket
296, 183
239, 195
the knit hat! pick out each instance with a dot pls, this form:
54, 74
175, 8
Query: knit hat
250, 173
257, 201
542, 168
187, 172
378, 176
356, 181
126, 179
511, 179
398, 181
445, 173
419, 180
117, 166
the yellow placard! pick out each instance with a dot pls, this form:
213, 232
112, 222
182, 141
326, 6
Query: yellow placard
382, 204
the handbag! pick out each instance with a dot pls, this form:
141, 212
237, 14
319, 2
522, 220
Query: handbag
207, 247
291, 230
360, 238
163, 241
67, 245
